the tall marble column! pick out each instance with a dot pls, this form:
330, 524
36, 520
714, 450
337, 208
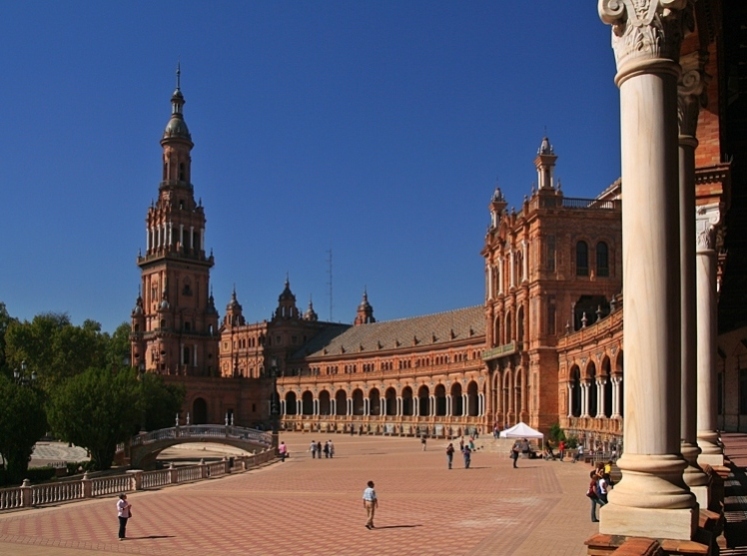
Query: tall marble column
707, 220
690, 95
652, 499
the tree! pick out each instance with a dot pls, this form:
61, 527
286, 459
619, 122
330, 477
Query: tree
159, 402
118, 345
5, 322
96, 409
22, 423
54, 348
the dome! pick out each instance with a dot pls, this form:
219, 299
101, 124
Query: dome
176, 127
545, 147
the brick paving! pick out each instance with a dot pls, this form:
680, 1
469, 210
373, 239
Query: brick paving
307, 506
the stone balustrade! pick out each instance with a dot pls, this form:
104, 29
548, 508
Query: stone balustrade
28, 495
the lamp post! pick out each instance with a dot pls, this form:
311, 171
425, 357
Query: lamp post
20, 375
274, 401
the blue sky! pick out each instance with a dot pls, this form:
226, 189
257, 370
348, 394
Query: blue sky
374, 129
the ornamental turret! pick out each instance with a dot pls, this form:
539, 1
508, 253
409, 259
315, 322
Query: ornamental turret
545, 164
365, 312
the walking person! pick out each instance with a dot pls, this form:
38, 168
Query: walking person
592, 494
467, 453
370, 503
579, 453
124, 512
331, 448
561, 449
326, 449
423, 441
319, 450
312, 449
515, 453
283, 451
450, 454
602, 487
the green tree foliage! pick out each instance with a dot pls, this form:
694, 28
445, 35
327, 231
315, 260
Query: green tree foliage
159, 402
96, 409
55, 349
557, 433
5, 322
22, 423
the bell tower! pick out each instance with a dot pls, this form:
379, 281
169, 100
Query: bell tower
175, 323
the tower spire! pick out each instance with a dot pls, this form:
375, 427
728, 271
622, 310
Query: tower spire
179, 76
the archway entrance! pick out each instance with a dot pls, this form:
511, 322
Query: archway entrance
199, 412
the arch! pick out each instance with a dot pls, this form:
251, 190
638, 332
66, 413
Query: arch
440, 394
307, 403
472, 399
508, 332
324, 406
374, 402
575, 385
520, 333
357, 401
591, 375
423, 401
457, 409
341, 399
199, 411
407, 405
582, 258
290, 403
497, 331
607, 392
391, 402
603, 259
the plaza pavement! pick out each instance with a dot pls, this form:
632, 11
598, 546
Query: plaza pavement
308, 507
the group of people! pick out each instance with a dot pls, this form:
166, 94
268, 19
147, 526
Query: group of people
600, 484
317, 449
466, 448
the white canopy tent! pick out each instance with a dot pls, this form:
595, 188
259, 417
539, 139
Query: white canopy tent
522, 430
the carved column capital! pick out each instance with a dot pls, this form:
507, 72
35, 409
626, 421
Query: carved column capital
707, 221
646, 34
691, 92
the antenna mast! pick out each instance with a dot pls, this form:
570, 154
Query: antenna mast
329, 282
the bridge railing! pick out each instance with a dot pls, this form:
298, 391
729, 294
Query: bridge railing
28, 495
206, 432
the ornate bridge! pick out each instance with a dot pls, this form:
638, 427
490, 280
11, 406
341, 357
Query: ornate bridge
145, 447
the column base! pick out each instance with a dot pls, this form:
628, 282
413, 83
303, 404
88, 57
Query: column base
702, 495
648, 522
714, 460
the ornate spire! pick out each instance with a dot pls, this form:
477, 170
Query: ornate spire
177, 127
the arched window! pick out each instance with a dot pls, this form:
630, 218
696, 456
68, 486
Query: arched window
603, 262
582, 259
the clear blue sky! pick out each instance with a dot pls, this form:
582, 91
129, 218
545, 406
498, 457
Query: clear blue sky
376, 129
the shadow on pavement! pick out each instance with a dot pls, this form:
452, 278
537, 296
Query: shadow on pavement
397, 526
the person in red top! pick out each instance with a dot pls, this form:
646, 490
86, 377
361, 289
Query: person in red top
561, 449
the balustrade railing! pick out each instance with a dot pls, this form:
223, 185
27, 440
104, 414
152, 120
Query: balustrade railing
28, 495
204, 432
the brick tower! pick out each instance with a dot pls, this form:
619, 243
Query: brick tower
174, 323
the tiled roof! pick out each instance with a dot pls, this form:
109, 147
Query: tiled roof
430, 330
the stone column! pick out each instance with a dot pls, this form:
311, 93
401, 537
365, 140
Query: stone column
691, 93
601, 397
570, 398
708, 218
584, 398
652, 499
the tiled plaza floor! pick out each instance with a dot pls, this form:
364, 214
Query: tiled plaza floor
306, 506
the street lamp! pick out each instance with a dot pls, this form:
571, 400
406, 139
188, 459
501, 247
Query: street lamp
20, 375
274, 401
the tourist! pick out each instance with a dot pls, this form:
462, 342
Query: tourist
471, 444
607, 473
326, 449
602, 488
283, 451
370, 503
591, 492
124, 512
467, 453
461, 444
579, 453
423, 441
331, 448
496, 432
515, 449
525, 447
450, 454
561, 449
312, 449
319, 450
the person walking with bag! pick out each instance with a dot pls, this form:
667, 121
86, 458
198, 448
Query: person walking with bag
450, 454
124, 512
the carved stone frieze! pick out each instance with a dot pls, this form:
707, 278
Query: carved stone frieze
645, 30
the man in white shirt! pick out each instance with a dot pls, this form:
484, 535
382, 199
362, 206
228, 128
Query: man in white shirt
370, 502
